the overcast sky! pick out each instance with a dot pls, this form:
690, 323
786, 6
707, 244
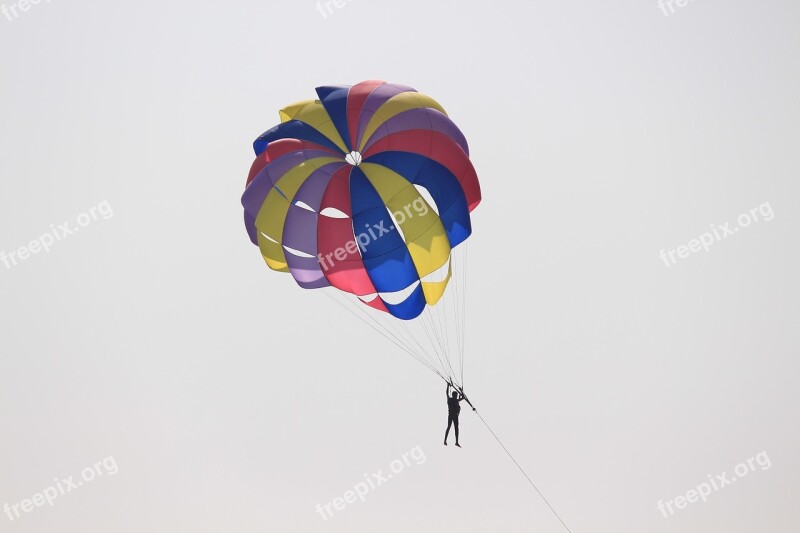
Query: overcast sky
154, 361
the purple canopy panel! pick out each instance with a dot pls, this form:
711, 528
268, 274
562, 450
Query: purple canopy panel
420, 118
300, 229
376, 99
265, 180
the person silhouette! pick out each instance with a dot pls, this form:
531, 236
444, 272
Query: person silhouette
453, 410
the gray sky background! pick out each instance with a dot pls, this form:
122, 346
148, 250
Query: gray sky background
232, 400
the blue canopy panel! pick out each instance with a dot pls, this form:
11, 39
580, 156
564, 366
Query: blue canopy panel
409, 308
334, 100
386, 258
442, 184
292, 129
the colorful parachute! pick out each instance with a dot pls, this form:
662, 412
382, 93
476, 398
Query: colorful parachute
367, 189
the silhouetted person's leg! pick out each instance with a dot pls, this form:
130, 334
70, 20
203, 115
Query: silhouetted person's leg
446, 433
455, 423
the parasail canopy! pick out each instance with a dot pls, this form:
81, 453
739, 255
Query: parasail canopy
368, 190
